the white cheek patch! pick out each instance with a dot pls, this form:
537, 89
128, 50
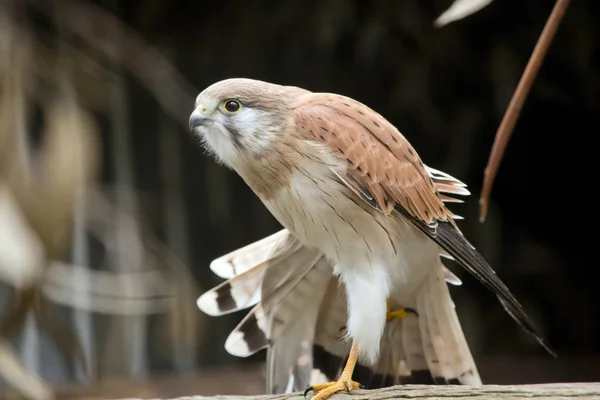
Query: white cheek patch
255, 128
231, 139
218, 141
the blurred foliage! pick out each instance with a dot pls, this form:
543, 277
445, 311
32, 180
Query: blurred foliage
53, 209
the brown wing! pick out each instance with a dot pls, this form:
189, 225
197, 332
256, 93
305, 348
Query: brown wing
382, 166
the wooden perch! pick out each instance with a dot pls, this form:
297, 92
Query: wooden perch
579, 391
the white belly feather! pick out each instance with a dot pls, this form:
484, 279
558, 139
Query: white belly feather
373, 254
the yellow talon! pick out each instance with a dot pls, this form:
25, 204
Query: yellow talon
325, 390
345, 383
392, 315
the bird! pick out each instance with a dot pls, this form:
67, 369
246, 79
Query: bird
347, 186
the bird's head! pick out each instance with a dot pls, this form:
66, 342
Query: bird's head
242, 119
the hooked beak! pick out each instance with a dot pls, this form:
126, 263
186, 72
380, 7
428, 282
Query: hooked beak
198, 119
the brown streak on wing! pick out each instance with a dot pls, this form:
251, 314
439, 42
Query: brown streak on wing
378, 156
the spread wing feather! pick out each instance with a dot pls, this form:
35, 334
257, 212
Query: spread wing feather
249, 256
264, 322
246, 268
293, 329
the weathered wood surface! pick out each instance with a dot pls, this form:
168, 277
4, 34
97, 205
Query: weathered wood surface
553, 391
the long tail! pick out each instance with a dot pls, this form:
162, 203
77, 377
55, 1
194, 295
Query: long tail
446, 349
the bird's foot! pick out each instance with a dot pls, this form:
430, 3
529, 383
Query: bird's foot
396, 314
345, 383
324, 390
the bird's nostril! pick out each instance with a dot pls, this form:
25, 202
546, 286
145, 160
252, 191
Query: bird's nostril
198, 119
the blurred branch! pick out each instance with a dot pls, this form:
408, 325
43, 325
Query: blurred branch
14, 372
516, 103
114, 293
163, 287
38, 190
459, 10
97, 27
42, 185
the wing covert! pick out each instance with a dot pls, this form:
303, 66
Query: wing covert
381, 165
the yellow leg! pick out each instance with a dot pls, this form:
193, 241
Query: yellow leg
392, 315
345, 382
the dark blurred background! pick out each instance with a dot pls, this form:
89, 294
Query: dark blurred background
135, 67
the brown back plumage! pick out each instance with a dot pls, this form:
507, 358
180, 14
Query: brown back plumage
382, 165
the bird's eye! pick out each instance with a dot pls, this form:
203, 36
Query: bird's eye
232, 106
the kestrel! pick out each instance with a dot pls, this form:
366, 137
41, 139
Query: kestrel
352, 193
